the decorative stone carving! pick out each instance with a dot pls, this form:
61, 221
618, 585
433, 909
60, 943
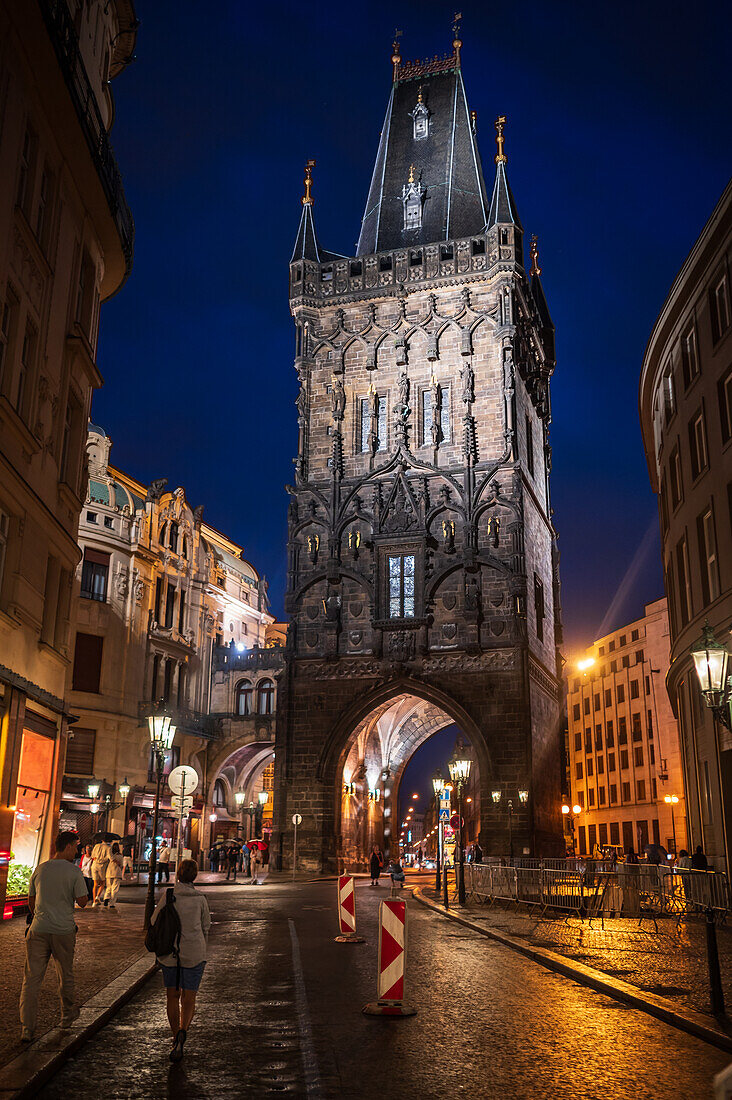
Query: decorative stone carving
400, 645
496, 660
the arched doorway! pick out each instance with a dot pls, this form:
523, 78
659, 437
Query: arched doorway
248, 770
370, 770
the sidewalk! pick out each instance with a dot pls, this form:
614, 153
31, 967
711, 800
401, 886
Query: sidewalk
663, 963
107, 944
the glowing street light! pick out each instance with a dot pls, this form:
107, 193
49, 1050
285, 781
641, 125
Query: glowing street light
672, 800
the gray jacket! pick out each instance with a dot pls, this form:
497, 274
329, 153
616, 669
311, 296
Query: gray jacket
195, 921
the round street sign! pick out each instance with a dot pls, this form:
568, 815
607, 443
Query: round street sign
183, 778
455, 821
297, 819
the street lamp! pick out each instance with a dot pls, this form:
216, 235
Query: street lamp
124, 788
711, 660
572, 813
93, 789
240, 798
438, 785
263, 798
459, 768
162, 733
672, 800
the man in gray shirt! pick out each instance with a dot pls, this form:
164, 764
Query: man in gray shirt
54, 888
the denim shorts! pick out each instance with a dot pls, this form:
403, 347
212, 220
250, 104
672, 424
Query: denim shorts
190, 976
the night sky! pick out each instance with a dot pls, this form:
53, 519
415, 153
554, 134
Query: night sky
618, 149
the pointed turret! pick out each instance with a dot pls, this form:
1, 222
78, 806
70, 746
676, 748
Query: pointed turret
306, 242
503, 221
537, 291
427, 184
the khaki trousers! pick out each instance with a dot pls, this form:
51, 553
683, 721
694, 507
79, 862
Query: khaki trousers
39, 948
110, 894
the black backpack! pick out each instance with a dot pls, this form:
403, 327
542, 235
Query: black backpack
163, 937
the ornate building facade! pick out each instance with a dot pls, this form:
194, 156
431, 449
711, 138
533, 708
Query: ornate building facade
66, 238
686, 420
423, 579
157, 593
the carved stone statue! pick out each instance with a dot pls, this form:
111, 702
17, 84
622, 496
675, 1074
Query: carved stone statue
155, 489
403, 389
332, 608
301, 401
198, 515
436, 413
467, 375
472, 593
338, 399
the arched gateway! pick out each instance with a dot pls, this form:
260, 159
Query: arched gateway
422, 567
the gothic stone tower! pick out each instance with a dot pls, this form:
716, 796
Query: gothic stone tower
423, 575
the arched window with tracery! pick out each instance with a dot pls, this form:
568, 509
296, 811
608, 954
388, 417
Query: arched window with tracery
184, 548
173, 536
265, 697
219, 793
244, 697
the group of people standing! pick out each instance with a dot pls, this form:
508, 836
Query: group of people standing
102, 867
234, 858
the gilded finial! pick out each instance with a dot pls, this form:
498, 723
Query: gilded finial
474, 121
396, 57
456, 43
501, 157
307, 199
535, 269
411, 173
419, 94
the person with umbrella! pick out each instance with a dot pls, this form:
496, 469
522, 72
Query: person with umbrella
232, 856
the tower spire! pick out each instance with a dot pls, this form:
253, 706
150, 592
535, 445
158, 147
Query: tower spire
501, 157
456, 42
307, 199
396, 57
306, 242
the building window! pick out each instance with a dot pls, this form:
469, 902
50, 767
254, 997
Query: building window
708, 557
719, 309
529, 446
586, 704
639, 657
608, 697
638, 756
25, 368
244, 697
539, 610
596, 702
588, 764
689, 357
8, 325
598, 737
87, 663
634, 689
74, 432
588, 740
578, 770
697, 444
600, 766
641, 790
94, 575
173, 537
170, 605
401, 586
611, 761
622, 731
601, 802
578, 742
43, 213
620, 693
109, 523
219, 793
80, 751
626, 661
609, 735
637, 729
676, 484
4, 529
626, 792
590, 797
28, 152
365, 423
669, 395
611, 646
623, 759
684, 580
581, 798
724, 392
576, 712
265, 697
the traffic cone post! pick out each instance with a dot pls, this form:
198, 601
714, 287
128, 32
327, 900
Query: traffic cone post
392, 961
347, 911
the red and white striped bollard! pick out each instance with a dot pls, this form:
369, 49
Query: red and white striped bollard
392, 961
347, 911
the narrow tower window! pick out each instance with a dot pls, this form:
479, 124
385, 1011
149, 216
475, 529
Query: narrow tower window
401, 586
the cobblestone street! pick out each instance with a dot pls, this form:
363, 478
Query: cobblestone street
280, 1013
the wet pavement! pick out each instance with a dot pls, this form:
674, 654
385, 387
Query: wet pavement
280, 1014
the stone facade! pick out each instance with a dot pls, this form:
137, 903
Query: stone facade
624, 749
421, 553
157, 592
66, 237
686, 420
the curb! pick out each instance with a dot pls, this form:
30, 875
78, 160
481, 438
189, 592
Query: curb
24, 1076
695, 1023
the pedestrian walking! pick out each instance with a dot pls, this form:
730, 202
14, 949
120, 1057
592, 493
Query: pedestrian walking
128, 851
684, 860
100, 859
256, 863
232, 855
477, 853
246, 861
213, 858
86, 870
164, 862
375, 865
182, 973
55, 887
699, 861
115, 870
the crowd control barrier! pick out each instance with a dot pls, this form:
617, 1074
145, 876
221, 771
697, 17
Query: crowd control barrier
347, 911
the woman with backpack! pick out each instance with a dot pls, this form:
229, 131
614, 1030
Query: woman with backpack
178, 936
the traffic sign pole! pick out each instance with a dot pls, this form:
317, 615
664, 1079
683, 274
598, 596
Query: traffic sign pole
296, 820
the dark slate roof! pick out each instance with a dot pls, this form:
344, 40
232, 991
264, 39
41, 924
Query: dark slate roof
446, 162
503, 208
306, 243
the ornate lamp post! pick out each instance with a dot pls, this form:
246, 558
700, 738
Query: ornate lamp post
161, 740
711, 661
573, 813
240, 799
459, 768
438, 785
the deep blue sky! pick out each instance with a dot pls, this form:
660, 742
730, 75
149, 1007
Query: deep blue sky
618, 149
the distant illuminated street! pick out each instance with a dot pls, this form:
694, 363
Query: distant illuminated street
280, 1013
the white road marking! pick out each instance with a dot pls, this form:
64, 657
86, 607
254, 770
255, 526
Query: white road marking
307, 1047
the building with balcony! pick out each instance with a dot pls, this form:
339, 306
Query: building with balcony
66, 238
686, 420
624, 753
156, 593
